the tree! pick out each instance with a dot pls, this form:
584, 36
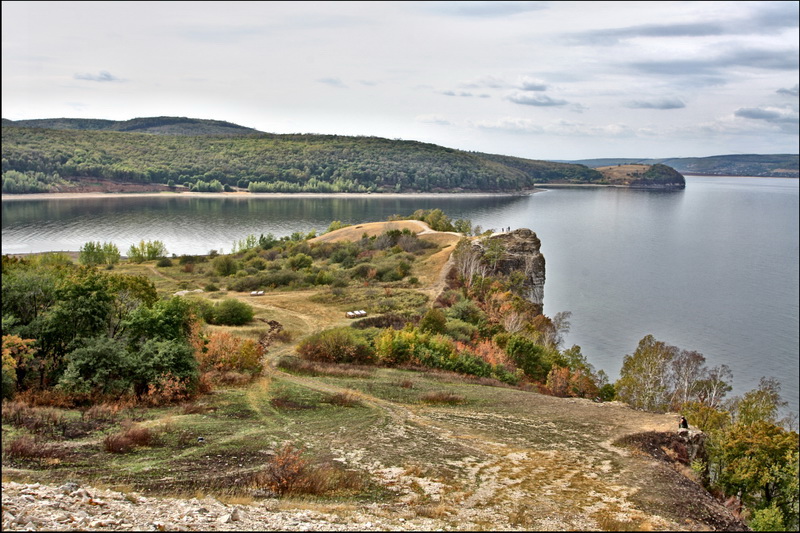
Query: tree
224, 265
467, 261
644, 378
529, 356
102, 365
146, 251
17, 354
716, 384
754, 456
434, 321
688, 371
759, 404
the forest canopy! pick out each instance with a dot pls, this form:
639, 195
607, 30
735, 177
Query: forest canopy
260, 162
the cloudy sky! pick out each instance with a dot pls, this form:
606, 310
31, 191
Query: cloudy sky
542, 80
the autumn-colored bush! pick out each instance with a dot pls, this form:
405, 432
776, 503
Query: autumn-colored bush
130, 437
290, 473
564, 382
442, 397
226, 353
344, 399
285, 473
26, 447
40, 420
168, 389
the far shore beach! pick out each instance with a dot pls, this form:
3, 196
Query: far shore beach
79, 195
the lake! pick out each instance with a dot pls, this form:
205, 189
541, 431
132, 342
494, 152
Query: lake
712, 268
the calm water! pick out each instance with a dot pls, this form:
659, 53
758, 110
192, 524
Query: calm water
713, 268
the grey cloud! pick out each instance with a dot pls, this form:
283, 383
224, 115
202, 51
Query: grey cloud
528, 84
490, 82
615, 35
746, 57
484, 9
465, 94
333, 82
789, 92
785, 119
768, 115
539, 100
662, 103
765, 19
101, 76
775, 15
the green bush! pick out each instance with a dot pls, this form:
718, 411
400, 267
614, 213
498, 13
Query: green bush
224, 265
338, 345
232, 312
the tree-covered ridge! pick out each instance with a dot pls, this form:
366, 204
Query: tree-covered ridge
270, 163
639, 175
774, 165
156, 125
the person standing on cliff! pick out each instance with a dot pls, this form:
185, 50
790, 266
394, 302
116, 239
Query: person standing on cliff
683, 424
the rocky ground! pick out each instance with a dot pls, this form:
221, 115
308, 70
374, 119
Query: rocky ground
70, 507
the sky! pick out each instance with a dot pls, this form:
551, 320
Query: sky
540, 80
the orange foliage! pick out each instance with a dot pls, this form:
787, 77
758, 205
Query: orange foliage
226, 353
490, 352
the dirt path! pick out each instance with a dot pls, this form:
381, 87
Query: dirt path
547, 465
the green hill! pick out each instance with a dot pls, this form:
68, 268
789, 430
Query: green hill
156, 125
60, 152
768, 165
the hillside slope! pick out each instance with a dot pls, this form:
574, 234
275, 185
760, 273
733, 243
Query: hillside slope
205, 156
766, 165
155, 125
490, 458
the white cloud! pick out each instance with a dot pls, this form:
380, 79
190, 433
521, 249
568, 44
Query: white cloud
720, 73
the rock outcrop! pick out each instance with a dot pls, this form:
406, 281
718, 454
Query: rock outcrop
515, 251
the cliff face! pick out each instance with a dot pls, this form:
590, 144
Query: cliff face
517, 251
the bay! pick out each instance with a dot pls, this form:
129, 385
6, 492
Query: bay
712, 268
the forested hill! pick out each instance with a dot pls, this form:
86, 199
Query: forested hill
52, 158
772, 165
156, 125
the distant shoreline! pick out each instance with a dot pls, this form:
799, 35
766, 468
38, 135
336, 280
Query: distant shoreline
84, 195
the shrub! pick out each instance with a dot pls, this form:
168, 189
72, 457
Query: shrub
26, 447
434, 321
289, 473
442, 397
126, 440
225, 353
232, 312
345, 399
224, 265
338, 345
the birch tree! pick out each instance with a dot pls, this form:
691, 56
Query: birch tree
644, 381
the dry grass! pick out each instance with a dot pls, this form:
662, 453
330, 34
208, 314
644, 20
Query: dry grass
345, 399
442, 397
354, 233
